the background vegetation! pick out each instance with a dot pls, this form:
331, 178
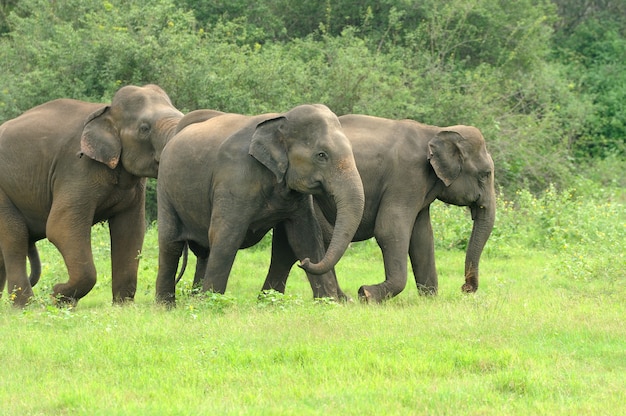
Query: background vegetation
544, 80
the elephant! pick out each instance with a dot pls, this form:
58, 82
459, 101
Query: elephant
225, 182
66, 165
405, 166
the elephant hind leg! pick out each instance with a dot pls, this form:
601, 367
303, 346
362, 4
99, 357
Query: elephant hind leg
202, 258
281, 262
14, 244
198, 277
422, 255
169, 256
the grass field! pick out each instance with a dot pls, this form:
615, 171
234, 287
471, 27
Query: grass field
545, 333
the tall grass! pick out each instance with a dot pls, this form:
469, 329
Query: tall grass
543, 335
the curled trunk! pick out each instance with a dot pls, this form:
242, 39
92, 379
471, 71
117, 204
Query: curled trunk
349, 201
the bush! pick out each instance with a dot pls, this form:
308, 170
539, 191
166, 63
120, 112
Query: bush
481, 62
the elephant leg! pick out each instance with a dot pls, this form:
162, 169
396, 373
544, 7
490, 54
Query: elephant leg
202, 258
70, 232
392, 235
169, 255
14, 276
225, 238
170, 250
422, 254
14, 250
127, 232
282, 260
304, 236
198, 277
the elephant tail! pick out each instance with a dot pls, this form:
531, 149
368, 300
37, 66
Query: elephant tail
35, 264
184, 266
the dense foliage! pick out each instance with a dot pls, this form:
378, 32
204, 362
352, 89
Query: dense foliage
544, 80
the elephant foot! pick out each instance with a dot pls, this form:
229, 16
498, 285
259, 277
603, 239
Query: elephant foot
372, 294
470, 285
343, 297
365, 295
380, 292
471, 281
168, 300
70, 293
468, 288
119, 301
427, 290
20, 298
196, 289
64, 302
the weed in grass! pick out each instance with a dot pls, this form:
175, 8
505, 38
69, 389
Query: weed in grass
208, 302
274, 299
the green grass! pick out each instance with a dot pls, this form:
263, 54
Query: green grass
544, 334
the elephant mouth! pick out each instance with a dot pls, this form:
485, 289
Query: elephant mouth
310, 187
475, 209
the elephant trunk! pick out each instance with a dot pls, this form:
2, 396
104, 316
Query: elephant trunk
484, 216
167, 127
350, 201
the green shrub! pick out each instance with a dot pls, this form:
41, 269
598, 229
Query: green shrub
545, 108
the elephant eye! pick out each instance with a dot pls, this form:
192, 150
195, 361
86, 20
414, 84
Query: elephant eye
144, 128
322, 156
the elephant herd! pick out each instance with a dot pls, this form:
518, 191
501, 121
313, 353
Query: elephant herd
224, 180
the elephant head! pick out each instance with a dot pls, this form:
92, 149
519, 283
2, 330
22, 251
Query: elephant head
132, 131
460, 159
314, 158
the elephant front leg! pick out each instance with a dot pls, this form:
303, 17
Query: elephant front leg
225, 238
393, 237
127, 232
395, 261
70, 232
422, 254
80, 267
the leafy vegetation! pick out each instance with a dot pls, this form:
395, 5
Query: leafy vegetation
544, 333
542, 79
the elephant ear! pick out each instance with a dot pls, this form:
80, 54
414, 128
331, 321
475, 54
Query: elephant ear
268, 148
445, 155
100, 139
